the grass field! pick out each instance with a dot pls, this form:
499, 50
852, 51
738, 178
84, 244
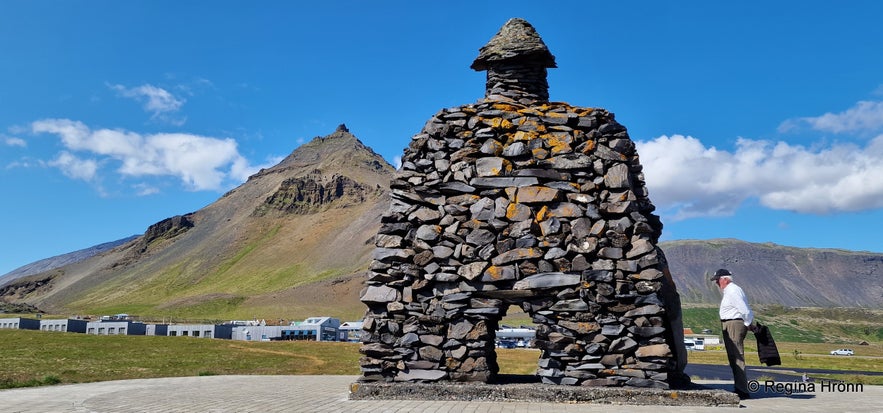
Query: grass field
799, 325
33, 358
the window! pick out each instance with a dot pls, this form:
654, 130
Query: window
91, 330
111, 330
173, 333
207, 333
196, 334
100, 330
122, 330
184, 333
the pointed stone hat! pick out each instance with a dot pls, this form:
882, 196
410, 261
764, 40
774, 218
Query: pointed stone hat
517, 42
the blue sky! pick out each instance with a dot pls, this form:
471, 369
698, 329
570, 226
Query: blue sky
761, 121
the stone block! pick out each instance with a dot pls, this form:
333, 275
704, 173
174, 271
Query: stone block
536, 194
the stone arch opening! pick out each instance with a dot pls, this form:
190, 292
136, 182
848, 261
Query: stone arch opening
518, 200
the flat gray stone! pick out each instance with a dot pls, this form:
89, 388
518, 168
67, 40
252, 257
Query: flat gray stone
617, 176
379, 294
503, 182
416, 374
547, 280
491, 166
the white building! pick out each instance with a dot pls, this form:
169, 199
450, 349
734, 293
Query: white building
350, 331
200, 330
313, 328
257, 333
63, 324
110, 328
20, 323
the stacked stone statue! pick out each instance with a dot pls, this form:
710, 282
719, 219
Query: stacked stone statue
516, 200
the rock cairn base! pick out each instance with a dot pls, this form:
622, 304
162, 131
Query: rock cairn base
542, 206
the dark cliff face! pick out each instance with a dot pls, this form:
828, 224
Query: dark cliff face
310, 193
775, 274
164, 230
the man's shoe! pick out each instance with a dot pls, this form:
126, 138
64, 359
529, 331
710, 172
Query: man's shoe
743, 395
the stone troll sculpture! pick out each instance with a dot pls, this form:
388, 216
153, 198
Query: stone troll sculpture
516, 200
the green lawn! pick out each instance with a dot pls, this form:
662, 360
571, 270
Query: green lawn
31, 358
35, 357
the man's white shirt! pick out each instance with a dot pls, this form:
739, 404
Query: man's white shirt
734, 304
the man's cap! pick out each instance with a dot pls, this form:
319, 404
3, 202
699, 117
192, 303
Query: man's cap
721, 273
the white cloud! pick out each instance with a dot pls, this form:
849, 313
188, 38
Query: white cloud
75, 167
687, 179
157, 101
865, 116
13, 141
200, 162
143, 189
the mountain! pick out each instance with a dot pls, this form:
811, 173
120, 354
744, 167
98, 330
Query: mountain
775, 274
51, 263
262, 248
296, 239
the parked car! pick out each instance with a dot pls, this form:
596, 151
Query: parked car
842, 352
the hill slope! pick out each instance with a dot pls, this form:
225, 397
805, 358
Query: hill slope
310, 218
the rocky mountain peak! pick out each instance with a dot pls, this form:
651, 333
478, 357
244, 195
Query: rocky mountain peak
338, 153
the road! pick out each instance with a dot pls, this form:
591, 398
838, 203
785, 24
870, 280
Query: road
723, 372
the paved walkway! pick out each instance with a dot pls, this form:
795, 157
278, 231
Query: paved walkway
315, 394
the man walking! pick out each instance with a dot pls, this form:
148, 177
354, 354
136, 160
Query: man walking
736, 319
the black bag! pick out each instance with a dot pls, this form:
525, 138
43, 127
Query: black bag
766, 346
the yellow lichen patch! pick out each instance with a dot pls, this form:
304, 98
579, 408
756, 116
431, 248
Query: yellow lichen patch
559, 149
466, 134
494, 272
540, 153
473, 223
530, 112
543, 214
523, 136
584, 112
507, 107
511, 211
536, 194
558, 142
555, 115
517, 212
500, 123
505, 169
589, 147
